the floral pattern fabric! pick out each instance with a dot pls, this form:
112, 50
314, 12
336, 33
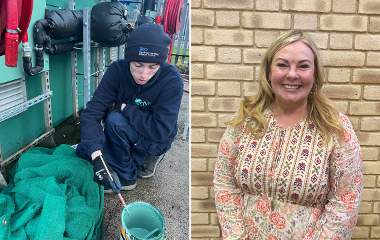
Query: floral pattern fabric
289, 184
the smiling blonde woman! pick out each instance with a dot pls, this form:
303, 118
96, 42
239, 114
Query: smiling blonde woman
289, 164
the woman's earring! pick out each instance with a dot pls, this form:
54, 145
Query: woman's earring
315, 92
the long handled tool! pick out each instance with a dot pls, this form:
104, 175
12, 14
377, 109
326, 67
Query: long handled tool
109, 174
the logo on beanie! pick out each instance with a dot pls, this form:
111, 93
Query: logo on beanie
145, 52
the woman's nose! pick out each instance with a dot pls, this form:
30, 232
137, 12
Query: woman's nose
292, 73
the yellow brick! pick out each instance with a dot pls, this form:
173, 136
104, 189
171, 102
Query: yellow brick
320, 39
342, 91
369, 6
201, 17
370, 124
355, 122
251, 88
339, 75
197, 71
197, 104
196, 36
202, 88
364, 108
229, 55
253, 55
369, 139
340, 41
369, 181
229, 72
198, 135
224, 118
371, 195
371, 93
343, 23
196, 3
202, 179
199, 192
204, 150
370, 153
365, 207
228, 37
229, 89
203, 54
366, 76
203, 120
378, 182
223, 104
342, 106
227, 4
227, 18
344, 6
211, 167
214, 220
215, 134
361, 232
367, 42
265, 38
375, 232
266, 5
368, 220
305, 21
374, 24
266, 20
199, 218
203, 206
371, 167
343, 58
307, 6
205, 231
373, 59
198, 164
376, 207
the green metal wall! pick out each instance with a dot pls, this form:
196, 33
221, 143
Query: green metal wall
23, 128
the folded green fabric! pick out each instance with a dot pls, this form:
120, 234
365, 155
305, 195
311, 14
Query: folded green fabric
51, 195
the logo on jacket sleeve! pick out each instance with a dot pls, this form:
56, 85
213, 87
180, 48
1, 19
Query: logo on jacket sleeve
140, 102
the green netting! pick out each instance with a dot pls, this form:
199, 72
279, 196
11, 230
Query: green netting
51, 195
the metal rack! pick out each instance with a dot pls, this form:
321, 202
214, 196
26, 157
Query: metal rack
49, 130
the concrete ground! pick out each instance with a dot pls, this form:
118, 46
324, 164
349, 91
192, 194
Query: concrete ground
167, 190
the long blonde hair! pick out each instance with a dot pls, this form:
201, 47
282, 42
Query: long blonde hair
320, 109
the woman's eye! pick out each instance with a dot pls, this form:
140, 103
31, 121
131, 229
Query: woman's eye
281, 65
304, 66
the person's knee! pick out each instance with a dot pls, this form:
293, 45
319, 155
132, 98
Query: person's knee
115, 119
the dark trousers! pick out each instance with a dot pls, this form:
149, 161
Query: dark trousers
124, 148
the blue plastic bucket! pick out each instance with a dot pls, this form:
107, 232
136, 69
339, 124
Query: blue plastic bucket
142, 221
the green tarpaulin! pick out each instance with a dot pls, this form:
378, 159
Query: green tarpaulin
51, 195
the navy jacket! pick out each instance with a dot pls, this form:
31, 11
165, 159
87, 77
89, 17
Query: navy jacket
152, 109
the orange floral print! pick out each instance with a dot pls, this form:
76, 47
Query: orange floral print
251, 223
237, 201
352, 222
223, 196
263, 205
277, 220
316, 213
272, 237
348, 197
309, 235
224, 148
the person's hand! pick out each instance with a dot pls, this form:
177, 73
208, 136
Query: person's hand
101, 175
114, 108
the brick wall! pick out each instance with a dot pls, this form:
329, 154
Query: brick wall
229, 37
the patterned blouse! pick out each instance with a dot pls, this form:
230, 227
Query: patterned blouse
289, 184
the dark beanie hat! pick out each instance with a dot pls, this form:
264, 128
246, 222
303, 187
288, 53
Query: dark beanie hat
147, 43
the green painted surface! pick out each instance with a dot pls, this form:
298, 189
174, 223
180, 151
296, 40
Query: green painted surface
23, 128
